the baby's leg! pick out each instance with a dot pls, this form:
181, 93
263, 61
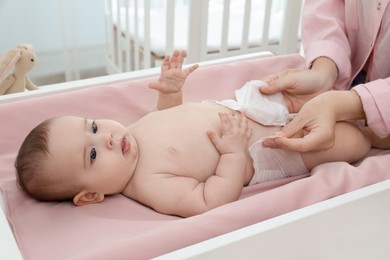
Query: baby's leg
351, 144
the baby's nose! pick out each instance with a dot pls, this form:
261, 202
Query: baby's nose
108, 139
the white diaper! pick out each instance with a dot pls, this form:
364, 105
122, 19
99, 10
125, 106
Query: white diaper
271, 164
264, 109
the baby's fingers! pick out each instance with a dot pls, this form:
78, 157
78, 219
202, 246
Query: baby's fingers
191, 69
245, 127
180, 59
226, 122
175, 60
154, 85
214, 138
166, 63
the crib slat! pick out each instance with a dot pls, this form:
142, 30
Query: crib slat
170, 21
147, 50
119, 37
289, 35
196, 35
225, 27
203, 30
245, 29
266, 25
109, 33
127, 37
136, 42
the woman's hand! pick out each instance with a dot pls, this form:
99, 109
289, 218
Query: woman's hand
316, 121
300, 85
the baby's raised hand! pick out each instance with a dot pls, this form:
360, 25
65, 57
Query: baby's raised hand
172, 75
234, 136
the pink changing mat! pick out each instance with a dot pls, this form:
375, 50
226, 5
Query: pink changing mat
120, 228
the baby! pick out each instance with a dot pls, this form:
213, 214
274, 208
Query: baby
183, 159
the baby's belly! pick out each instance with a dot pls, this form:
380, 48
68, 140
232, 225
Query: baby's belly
183, 144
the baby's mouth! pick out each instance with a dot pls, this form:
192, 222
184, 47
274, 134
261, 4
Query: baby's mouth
125, 145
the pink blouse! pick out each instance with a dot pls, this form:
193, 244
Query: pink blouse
355, 34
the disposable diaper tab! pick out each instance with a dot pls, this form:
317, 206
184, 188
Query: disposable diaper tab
264, 109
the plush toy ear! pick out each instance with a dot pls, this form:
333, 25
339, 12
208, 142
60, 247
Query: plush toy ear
7, 61
26, 46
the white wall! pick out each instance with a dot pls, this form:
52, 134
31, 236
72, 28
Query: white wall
68, 35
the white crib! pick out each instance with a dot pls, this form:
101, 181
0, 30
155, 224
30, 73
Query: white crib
139, 33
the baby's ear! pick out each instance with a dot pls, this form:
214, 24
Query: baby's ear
87, 197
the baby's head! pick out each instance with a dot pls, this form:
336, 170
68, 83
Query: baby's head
31, 167
76, 158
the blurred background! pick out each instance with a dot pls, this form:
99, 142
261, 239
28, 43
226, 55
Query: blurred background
69, 36
78, 39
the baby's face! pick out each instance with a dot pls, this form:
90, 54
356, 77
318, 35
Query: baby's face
101, 155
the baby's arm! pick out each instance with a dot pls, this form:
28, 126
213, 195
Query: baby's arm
186, 196
227, 183
171, 80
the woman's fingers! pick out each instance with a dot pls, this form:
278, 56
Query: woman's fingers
302, 136
310, 142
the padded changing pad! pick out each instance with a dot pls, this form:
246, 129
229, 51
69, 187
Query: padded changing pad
120, 228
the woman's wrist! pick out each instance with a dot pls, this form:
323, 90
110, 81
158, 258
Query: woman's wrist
346, 105
327, 69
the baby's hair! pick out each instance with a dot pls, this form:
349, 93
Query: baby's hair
32, 177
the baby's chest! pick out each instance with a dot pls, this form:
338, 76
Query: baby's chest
180, 151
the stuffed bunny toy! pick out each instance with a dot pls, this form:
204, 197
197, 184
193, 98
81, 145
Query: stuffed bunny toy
23, 59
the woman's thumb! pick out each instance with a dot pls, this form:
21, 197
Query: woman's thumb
273, 87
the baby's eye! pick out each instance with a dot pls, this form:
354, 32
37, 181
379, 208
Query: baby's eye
93, 155
94, 127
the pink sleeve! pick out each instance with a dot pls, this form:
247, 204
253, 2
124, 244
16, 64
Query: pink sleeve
323, 34
375, 99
